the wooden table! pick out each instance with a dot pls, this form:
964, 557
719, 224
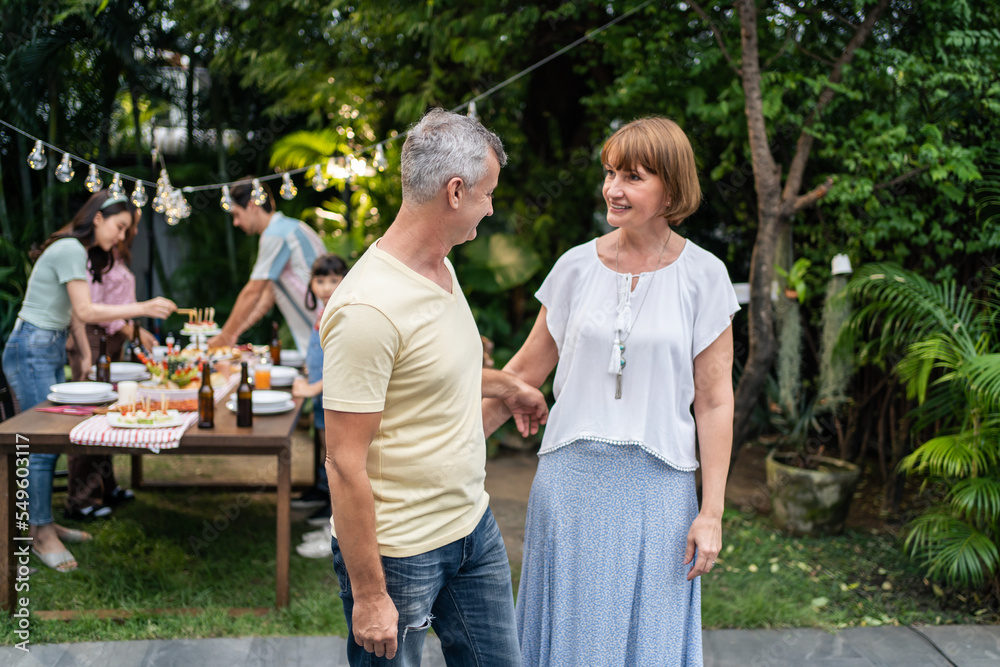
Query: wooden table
48, 433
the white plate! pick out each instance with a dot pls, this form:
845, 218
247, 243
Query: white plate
123, 378
55, 398
85, 389
291, 358
115, 419
205, 332
270, 409
269, 397
283, 375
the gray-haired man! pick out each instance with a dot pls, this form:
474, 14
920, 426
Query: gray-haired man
415, 543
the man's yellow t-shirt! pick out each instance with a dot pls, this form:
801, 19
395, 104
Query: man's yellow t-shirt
396, 342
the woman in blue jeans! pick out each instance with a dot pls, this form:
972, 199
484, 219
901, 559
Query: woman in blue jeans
35, 354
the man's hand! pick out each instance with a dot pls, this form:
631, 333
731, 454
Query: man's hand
526, 404
375, 625
221, 340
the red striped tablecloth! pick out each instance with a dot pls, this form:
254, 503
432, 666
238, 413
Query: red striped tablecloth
97, 431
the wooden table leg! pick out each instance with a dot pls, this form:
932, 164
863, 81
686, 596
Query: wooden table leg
8, 562
137, 471
284, 525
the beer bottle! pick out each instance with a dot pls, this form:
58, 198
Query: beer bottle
206, 398
136, 339
275, 345
102, 372
244, 398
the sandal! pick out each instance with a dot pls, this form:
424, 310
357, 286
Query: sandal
73, 535
59, 561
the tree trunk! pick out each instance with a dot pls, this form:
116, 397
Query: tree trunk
4, 218
775, 207
767, 183
189, 108
48, 203
25, 172
136, 120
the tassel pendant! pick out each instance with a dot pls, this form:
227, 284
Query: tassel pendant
618, 376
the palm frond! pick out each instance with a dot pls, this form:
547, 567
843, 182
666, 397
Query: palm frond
963, 454
951, 549
300, 149
983, 372
977, 497
899, 307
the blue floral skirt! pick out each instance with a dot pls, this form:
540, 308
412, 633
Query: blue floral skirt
603, 580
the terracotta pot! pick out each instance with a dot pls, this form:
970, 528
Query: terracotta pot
810, 502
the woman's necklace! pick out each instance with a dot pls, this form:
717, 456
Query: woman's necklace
624, 321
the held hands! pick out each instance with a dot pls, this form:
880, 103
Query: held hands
527, 405
375, 623
159, 307
705, 536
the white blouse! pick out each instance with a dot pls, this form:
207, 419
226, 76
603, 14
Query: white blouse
674, 313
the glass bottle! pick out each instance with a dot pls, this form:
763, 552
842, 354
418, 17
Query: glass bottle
206, 398
275, 345
136, 339
244, 398
102, 372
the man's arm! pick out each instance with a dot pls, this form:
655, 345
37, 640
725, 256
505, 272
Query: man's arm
254, 300
348, 437
522, 400
532, 364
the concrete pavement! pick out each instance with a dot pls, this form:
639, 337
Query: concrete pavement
964, 645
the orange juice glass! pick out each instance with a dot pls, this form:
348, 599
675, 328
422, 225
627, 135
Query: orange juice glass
262, 377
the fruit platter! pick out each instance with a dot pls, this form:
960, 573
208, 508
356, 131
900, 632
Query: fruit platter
177, 377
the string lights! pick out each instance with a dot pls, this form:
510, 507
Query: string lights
171, 201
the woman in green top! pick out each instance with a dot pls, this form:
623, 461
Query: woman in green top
35, 354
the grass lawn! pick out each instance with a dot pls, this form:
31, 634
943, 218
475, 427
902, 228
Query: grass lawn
160, 552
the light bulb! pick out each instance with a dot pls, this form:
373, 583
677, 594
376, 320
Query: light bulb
227, 199
139, 197
37, 159
161, 199
319, 179
257, 193
288, 189
472, 111
116, 190
93, 182
380, 162
64, 172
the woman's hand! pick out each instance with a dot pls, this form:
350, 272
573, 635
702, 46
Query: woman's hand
705, 537
147, 339
159, 307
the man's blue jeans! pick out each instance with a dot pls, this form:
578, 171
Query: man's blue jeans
462, 590
33, 360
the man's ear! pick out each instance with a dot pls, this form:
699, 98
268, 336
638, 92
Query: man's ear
456, 191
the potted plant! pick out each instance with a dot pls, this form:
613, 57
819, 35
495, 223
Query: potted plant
795, 279
810, 491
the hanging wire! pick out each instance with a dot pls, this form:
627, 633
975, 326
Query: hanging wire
158, 154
